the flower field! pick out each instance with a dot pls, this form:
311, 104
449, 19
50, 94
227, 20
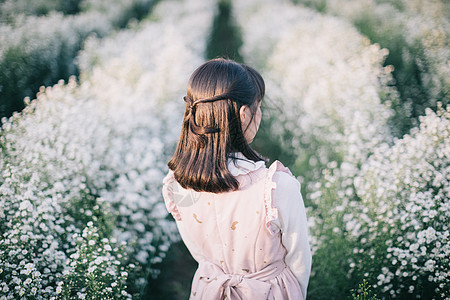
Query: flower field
81, 211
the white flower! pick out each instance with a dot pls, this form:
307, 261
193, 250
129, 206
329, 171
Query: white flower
98, 260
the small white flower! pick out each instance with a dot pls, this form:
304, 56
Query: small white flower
98, 260
91, 242
92, 269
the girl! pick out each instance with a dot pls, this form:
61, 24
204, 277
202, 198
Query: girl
243, 223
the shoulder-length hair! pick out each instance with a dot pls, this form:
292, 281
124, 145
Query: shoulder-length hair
211, 130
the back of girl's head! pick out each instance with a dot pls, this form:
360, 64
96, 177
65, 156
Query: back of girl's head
211, 130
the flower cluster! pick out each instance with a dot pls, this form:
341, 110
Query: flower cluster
97, 152
96, 267
48, 184
389, 218
405, 190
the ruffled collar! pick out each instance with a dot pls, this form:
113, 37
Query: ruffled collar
242, 165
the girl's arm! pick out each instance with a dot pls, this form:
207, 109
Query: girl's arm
293, 226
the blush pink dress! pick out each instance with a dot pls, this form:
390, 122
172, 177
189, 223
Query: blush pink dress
236, 238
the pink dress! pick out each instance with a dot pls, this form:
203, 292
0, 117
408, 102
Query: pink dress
236, 237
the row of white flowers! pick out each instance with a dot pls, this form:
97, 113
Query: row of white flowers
82, 165
39, 50
324, 79
331, 94
54, 34
392, 213
417, 32
405, 192
10, 9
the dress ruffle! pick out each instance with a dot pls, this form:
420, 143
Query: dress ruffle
270, 185
167, 190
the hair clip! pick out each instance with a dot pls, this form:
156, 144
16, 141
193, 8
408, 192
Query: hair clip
187, 99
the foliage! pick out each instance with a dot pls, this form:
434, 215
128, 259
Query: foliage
224, 39
363, 292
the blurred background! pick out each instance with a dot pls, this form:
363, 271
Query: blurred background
356, 105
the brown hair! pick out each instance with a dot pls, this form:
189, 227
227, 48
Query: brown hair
211, 129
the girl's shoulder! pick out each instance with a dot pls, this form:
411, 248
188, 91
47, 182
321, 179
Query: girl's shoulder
281, 177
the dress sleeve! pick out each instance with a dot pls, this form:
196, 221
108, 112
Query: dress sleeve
168, 194
167, 191
291, 221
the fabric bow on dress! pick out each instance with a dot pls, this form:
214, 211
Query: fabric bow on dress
220, 285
